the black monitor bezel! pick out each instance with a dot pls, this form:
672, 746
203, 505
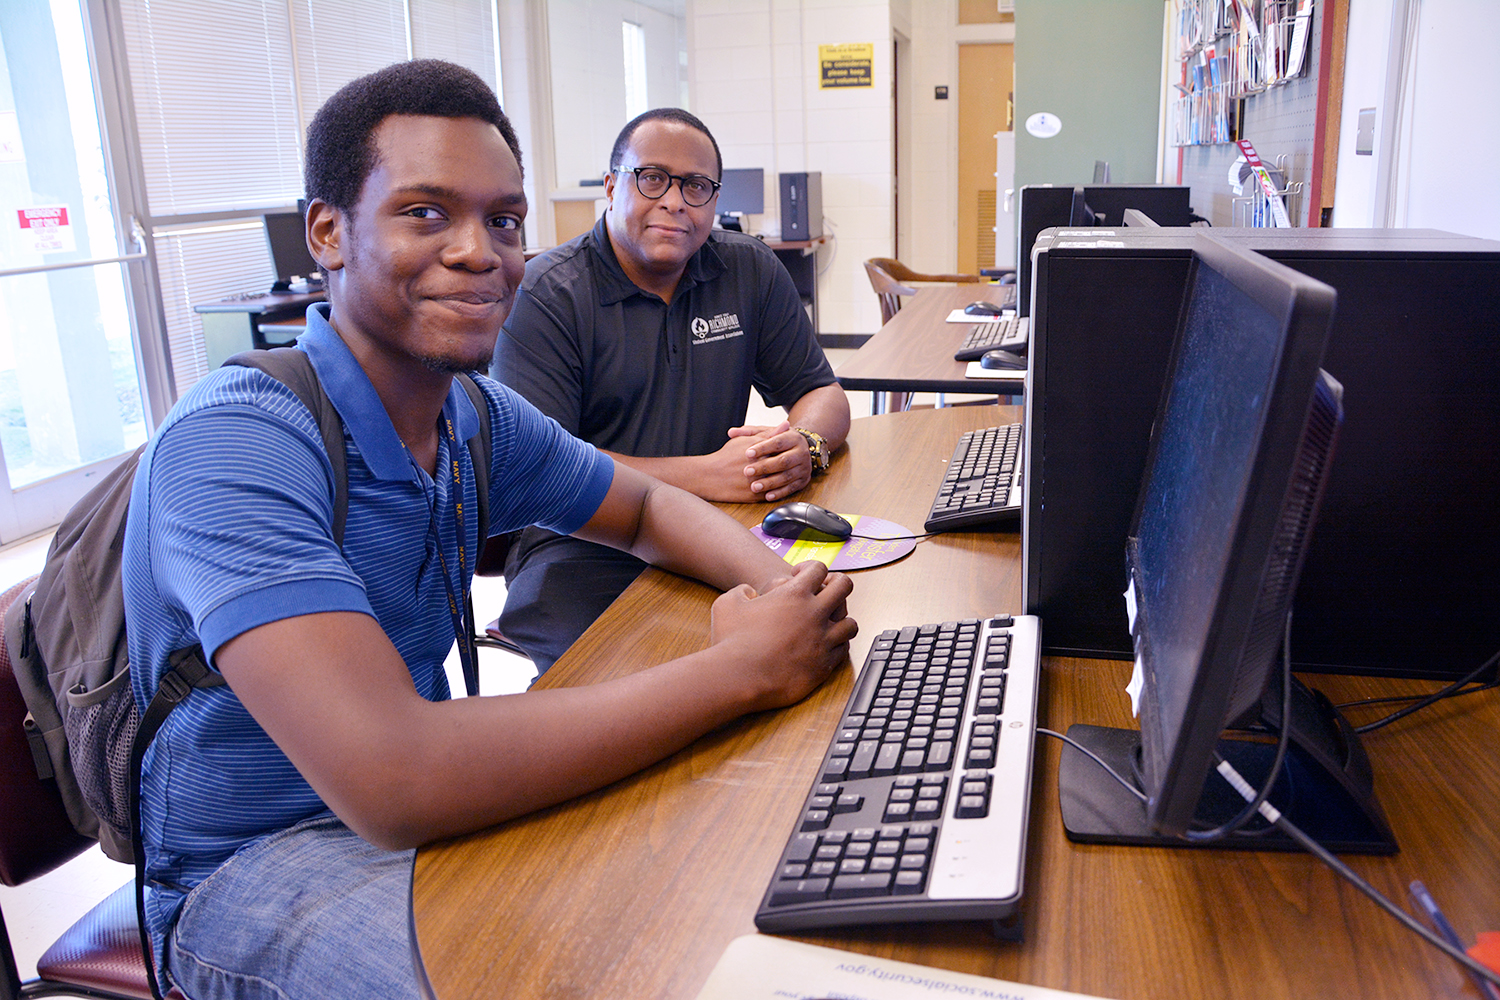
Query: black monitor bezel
286, 243
1173, 774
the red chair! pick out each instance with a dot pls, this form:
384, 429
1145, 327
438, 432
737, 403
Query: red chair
100, 955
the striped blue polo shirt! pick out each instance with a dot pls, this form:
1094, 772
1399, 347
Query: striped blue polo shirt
230, 528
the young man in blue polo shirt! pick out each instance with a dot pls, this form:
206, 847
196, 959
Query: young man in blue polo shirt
645, 337
280, 810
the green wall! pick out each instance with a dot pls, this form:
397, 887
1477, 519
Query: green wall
1096, 64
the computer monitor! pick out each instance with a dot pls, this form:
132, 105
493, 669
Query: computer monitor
1166, 204
287, 239
1079, 213
1239, 455
742, 191
1045, 207
1408, 528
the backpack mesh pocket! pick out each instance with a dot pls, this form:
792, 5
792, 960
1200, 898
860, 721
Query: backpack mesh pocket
101, 726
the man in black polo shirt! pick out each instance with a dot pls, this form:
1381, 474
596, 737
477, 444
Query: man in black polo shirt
644, 338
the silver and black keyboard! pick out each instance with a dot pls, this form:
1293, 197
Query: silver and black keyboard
1008, 333
983, 482
918, 810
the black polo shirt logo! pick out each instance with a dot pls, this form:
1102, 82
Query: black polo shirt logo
724, 326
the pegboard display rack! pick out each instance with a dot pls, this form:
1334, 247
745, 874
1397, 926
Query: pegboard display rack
1253, 86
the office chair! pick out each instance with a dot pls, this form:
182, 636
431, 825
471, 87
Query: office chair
887, 289
100, 955
891, 279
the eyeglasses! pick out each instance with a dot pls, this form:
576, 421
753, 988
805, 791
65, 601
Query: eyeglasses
654, 182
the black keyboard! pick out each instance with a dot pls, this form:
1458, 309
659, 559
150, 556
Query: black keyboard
983, 482
1008, 333
918, 810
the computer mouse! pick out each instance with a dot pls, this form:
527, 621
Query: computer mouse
801, 519
983, 309
1004, 360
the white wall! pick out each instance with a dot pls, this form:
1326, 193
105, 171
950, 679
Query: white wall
588, 73
1444, 153
753, 77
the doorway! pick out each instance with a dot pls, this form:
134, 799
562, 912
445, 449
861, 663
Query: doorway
70, 392
985, 81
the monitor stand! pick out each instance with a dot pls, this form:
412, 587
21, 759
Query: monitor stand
1325, 787
731, 223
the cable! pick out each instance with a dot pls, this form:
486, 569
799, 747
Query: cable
1273, 815
1283, 739
1452, 690
1070, 741
896, 538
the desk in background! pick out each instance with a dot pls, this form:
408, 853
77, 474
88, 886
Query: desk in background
914, 351
800, 258
252, 322
636, 890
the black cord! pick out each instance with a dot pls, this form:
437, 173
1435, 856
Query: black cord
895, 538
1070, 741
1283, 739
1316, 849
1273, 815
1451, 691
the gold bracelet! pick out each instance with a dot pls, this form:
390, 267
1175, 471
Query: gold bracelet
817, 445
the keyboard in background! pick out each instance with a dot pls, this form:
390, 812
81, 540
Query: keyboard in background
982, 484
1008, 333
919, 808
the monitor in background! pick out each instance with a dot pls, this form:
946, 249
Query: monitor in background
1167, 204
1101, 171
1079, 213
1045, 206
741, 192
1135, 217
294, 265
1239, 455
1042, 206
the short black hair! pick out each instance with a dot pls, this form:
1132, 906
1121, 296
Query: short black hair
617, 155
340, 141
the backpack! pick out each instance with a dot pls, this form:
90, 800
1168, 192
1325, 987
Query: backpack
67, 640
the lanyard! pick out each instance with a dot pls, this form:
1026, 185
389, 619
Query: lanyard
460, 612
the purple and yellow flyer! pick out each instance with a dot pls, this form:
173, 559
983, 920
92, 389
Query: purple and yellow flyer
874, 543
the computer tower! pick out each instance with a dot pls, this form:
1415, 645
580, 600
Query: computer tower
1402, 576
801, 206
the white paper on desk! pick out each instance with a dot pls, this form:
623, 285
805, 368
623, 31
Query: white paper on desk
977, 370
762, 967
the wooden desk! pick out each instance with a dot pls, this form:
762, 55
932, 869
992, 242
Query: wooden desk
633, 893
914, 351
252, 321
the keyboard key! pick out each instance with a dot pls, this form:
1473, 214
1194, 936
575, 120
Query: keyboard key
800, 891
868, 884
909, 882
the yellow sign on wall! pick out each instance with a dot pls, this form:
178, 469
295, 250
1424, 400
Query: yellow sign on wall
848, 65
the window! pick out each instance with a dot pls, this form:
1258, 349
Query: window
636, 100
222, 94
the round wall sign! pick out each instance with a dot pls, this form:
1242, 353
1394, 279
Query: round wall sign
1044, 125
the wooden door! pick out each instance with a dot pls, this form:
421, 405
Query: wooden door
985, 82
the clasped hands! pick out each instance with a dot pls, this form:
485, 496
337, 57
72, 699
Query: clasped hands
759, 463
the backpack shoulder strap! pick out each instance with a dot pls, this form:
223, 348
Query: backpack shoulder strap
479, 451
293, 369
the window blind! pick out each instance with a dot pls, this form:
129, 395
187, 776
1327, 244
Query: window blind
222, 92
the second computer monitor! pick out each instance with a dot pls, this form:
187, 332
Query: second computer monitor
286, 238
741, 192
1045, 206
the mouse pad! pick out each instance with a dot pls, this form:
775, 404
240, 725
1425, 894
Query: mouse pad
855, 553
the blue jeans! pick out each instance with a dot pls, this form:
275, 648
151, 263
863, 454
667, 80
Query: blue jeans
310, 913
